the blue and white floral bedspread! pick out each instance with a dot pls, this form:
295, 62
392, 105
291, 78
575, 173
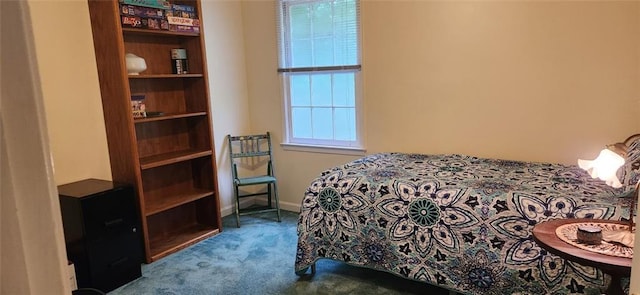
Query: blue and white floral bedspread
463, 223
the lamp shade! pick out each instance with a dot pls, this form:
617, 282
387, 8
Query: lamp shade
604, 167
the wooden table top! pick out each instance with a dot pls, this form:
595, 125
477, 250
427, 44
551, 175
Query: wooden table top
544, 234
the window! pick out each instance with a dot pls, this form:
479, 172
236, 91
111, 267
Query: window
319, 47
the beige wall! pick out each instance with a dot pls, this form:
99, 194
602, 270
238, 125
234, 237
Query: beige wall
498, 79
70, 88
72, 94
222, 24
73, 110
539, 81
519, 80
501, 79
294, 170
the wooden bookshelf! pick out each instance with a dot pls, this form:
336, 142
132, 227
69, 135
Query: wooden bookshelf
169, 158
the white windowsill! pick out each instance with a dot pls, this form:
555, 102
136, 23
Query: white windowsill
350, 151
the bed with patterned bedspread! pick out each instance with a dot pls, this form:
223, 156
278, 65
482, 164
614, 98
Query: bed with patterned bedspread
459, 222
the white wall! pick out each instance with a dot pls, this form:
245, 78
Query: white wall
508, 79
72, 95
294, 170
32, 253
523, 80
67, 67
76, 135
223, 28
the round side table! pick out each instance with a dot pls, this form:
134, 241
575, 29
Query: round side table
544, 234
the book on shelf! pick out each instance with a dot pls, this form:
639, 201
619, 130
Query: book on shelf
137, 106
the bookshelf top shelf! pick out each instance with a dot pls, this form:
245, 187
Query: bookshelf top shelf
158, 32
164, 76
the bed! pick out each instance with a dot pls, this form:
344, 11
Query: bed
458, 222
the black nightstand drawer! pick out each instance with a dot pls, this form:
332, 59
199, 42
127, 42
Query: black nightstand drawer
117, 262
105, 215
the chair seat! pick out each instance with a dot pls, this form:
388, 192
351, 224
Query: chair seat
255, 180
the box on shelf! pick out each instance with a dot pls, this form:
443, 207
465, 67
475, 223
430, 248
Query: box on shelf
144, 23
144, 12
185, 11
161, 4
137, 106
179, 62
184, 14
184, 29
183, 21
181, 7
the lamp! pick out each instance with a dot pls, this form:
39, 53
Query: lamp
605, 167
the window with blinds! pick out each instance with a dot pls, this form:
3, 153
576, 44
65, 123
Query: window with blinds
319, 47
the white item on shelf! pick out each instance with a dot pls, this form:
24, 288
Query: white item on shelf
135, 64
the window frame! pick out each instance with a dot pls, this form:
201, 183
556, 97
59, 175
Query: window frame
355, 147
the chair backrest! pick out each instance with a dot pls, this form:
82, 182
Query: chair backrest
250, 151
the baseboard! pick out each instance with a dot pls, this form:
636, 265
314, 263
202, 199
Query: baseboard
287, 206
293, 207
231, 209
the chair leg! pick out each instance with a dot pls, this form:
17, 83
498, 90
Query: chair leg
269, 195
275, 195
237, 206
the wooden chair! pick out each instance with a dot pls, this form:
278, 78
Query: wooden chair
251, 152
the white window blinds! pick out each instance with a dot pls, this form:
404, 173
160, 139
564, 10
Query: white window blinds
319, 55
319, 35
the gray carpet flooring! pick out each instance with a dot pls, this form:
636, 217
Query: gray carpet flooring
258, 258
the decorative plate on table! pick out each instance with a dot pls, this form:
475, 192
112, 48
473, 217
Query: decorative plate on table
568, 233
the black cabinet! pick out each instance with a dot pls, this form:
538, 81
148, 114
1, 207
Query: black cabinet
102, 232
